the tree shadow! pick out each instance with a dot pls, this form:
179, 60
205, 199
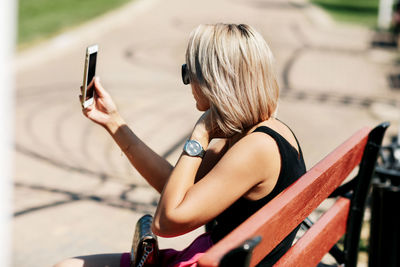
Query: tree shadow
121, 201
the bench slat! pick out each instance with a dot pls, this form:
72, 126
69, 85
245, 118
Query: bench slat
271, 223
312, 246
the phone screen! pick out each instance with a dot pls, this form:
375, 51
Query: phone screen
91, 74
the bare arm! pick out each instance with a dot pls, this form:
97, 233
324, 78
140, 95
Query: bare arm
154, 168
186, 204
150, 165
213, 155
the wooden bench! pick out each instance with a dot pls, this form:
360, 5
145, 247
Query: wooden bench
250, 242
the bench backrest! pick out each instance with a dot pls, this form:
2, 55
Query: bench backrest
285, 212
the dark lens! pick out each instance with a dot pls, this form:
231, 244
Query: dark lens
185, 74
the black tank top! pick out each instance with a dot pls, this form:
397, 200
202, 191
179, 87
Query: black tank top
292, 167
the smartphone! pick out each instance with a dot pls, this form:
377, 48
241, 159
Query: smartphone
88, 74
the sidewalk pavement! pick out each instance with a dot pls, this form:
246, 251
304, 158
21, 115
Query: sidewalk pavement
76, 194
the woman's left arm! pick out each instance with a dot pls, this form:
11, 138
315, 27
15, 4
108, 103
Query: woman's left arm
186, 205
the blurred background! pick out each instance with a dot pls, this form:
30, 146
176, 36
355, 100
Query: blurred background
74, 193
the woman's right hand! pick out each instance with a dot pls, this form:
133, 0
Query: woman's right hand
103, 111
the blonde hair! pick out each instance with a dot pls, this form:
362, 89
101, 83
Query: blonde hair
233, 66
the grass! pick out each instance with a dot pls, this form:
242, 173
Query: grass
41, 19
363, 12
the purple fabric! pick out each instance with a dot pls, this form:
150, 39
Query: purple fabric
125, 260
184, 258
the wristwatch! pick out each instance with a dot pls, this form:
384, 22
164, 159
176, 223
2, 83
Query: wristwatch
194, 149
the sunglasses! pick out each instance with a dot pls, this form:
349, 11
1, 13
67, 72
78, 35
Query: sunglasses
185, 74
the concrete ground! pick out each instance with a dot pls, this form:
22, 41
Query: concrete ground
76, 194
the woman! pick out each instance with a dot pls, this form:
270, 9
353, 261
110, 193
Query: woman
229, 68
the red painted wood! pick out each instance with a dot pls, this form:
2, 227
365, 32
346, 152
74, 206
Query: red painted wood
281, 215
319, 239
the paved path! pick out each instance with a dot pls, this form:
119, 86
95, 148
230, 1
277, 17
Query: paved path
74, 191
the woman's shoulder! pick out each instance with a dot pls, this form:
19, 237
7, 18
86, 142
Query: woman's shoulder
276, 129
261, 154
258, 146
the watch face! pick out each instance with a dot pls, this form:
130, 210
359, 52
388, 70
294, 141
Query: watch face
193, 148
